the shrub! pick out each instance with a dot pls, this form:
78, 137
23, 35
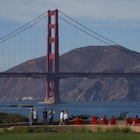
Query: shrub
126, 130
12, 118
27, 129
122, 116
82, 116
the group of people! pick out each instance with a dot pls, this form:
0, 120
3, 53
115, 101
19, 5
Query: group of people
49, 115
33, 116
63, 117
95, 120
132, 121
128, 121
104, 120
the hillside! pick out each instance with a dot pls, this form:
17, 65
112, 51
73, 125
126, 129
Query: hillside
85, 59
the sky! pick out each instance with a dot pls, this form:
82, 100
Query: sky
118, 20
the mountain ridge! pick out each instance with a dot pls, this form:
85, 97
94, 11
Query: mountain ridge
84, 59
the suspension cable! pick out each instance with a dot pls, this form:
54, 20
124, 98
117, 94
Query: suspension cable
89, 29
24, 27
84, 31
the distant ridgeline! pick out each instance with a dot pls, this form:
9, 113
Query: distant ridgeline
85, 59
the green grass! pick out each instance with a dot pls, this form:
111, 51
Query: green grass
71, 136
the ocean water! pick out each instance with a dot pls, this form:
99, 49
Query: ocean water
74, 108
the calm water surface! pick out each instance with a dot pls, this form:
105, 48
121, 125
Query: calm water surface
75, 108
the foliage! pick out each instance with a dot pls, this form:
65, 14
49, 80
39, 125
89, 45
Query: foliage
82, 116
12, 118
119, 130
26, 129
122, 116
48, 129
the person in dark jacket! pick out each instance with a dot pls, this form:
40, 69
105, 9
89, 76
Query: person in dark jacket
50, 116
44, 116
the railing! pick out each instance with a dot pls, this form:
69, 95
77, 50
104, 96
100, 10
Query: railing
60, 75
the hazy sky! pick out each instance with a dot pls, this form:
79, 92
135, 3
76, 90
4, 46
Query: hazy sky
118, 20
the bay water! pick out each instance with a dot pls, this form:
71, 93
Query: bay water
74, 108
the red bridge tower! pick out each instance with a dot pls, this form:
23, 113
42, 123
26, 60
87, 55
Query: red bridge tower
52, 58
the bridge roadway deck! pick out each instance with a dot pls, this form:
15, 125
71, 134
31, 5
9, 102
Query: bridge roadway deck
61, 75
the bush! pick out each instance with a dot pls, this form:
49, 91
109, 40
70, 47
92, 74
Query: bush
82, 116
27, 129
122, 116
126, 130
12, 118
119, 130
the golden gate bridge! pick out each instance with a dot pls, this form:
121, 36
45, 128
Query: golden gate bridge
51, 36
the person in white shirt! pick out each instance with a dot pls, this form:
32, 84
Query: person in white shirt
66, 117
35, 116
61, 117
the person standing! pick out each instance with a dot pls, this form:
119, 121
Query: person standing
35, 116
65, 117
113, 120
136, 120
31, 116
128, 120
104, 120
44, 116
61, 117
51, 115
78, 120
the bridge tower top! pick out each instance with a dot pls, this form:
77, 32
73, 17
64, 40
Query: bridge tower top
52, 59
